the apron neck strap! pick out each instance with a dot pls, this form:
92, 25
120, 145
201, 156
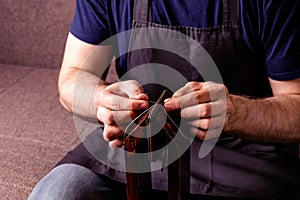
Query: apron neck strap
231, 11
142, 10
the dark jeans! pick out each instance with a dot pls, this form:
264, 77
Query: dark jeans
73, 182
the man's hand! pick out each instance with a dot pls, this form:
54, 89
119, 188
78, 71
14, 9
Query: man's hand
204, 105
273, 119
116, 105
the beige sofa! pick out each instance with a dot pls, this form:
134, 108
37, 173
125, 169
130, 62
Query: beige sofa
35, 130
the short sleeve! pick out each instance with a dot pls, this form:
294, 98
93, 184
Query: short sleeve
280, 36
90, 22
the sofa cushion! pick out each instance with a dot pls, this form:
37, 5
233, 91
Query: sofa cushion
35, 130
33, 32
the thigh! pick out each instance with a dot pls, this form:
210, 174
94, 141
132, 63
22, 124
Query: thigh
74, 182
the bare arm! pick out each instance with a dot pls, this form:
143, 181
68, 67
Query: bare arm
83, 91
83, 65
275, 119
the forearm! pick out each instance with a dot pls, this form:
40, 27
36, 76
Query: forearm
275, 119
83, 65
76, 92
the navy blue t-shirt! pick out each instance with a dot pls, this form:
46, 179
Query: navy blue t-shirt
269, 28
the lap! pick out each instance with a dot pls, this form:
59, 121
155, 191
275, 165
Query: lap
72, 182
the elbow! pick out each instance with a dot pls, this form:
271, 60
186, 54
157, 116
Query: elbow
63, 103
62, 97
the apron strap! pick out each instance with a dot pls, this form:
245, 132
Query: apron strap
231, 12
179, 177
139, 185
142, 10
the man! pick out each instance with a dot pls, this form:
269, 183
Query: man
255, 45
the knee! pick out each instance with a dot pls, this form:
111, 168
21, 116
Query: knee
62, 182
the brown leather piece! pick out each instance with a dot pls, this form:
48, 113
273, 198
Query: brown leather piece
139, 185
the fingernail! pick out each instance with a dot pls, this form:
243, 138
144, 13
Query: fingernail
112, 145
166, 100
141, 96
168, 107
144, 105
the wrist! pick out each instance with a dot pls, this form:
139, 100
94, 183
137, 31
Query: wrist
101, 85
236, 113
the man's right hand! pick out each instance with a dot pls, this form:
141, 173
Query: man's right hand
116, 105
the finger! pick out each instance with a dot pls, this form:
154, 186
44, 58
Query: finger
191, 94
200, 134
189, 99
208, 123
130, 88
115, 102
205, 134
123, 118
116, 96
197, 111
203, 124
191, 87
110, 117
105, 116
204, 110
217, 91
116, 143
111, 133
